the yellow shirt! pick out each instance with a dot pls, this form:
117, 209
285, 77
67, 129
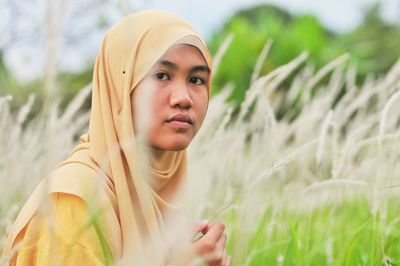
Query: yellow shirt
67, 238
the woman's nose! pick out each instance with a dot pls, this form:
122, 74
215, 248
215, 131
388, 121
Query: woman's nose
180, 96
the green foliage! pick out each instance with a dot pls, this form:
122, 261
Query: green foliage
252, 28
373, 46
346, 233
68, 86
71, 84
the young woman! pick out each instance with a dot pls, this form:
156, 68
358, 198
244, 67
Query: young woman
151, 84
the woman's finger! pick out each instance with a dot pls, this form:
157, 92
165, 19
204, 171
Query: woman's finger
224, 259
201, 227
228, 261
219, 253
214, 234
220, 246
217, 258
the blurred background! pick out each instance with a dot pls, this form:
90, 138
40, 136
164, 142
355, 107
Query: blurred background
48, 44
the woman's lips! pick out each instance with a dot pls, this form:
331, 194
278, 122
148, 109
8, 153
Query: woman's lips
179, 124
180, 121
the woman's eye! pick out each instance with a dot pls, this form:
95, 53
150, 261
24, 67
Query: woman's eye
161, 76
197, 81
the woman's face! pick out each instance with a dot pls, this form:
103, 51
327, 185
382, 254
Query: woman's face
179, 81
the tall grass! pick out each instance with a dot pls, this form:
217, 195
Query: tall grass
32, 146
317, 185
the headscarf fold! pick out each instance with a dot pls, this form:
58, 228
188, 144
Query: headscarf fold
103, 169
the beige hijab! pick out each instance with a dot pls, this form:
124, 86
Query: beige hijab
103, 168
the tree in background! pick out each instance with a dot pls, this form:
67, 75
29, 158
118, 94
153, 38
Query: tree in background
53, 32
373, 46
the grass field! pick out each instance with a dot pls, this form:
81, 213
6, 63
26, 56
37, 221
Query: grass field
305, 173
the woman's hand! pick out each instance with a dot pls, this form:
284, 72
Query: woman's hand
211, 246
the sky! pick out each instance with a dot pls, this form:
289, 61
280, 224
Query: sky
25, 56
339, 15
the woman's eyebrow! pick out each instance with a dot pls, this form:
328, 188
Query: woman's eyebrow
168, 64
173, 66
200, 68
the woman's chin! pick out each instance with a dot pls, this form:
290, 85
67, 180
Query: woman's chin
177, 144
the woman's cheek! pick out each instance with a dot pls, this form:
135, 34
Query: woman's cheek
203, 106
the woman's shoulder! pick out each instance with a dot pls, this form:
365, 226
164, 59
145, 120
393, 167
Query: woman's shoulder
64, 228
